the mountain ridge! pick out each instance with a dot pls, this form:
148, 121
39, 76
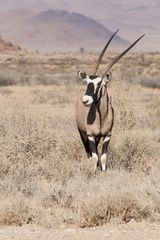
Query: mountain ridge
56, 30
133, 18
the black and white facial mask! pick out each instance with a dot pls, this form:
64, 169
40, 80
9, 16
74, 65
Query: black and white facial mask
93, 84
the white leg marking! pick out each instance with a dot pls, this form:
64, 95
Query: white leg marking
95, 159
106, 139
95, 156
91, 138
104, 161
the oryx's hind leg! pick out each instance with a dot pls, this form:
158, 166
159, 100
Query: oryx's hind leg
93, 143
85, 141
97, 140
106, 141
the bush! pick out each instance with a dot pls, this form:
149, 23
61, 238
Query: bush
8, 78
151, 82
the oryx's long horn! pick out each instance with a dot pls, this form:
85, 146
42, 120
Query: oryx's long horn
103, 52
121, 55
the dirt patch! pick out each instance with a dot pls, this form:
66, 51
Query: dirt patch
133, 230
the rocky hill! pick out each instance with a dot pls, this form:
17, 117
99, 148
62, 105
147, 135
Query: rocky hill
8, 46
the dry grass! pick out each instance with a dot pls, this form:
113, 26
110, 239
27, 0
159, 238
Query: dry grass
45, 177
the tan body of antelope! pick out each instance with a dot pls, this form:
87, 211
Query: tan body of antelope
94, 112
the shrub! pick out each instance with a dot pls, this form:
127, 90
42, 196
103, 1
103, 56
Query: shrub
8, 78
151, 82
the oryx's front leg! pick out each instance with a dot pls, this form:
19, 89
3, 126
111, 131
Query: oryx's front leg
106, 141
93, 150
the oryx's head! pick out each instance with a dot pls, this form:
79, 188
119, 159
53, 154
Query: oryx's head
93, 91
95, 82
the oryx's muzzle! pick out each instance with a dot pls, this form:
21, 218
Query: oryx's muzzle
87, 100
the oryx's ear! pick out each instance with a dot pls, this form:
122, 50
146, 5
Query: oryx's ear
82, 75
108, 76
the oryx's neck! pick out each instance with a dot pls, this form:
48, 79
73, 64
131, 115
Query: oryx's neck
103, 103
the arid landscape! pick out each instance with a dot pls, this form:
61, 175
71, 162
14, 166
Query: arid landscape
46, 181
49, 189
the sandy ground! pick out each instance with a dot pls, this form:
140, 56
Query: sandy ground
131, 231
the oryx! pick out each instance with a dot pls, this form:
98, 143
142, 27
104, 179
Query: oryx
94, 112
